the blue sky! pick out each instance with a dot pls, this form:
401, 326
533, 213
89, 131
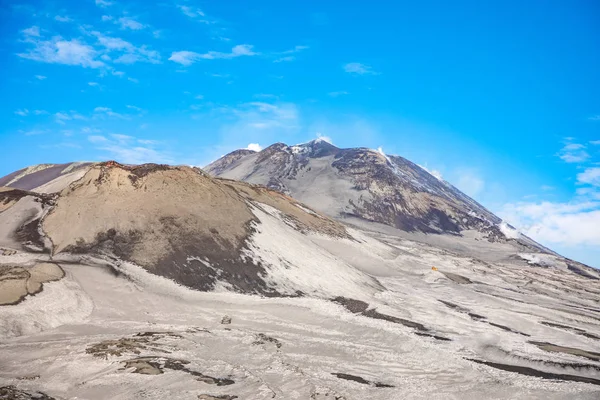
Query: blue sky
501, 98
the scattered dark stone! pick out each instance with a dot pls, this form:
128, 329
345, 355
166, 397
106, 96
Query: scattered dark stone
460, 309
572, 329
581, 271
360, 380
352, 305
226, 320
506, 328
411, 324
361, 307
553, 348
152, 365
580, 366
537, 373
261, 338
12, 393
457, 278
216, 397
159, 334
476, 317
431, 335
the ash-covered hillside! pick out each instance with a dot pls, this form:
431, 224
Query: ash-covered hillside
365, 183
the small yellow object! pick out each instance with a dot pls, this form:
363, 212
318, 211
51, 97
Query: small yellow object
433, 268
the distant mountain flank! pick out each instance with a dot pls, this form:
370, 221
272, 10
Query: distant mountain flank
365, 183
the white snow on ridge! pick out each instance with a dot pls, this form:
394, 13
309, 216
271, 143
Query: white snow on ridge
508, 231
543, 260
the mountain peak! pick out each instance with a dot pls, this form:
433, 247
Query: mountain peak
366, 184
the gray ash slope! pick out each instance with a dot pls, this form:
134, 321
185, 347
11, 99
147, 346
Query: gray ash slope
364, 183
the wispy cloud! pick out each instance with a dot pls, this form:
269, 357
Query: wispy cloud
130, 23
336, 94
189, 57
191, 12
595, 142
100, 112
287, 55
284, 59
125, 52
40, 77
359, 69
34, 31
570, 224
93, 84
104, 3
61, 117
594, 118
57, 50
136, 108
23, 113
590, 176
106, 49
62, 18
573, 153
129, 149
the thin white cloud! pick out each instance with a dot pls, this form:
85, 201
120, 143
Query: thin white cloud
108, 112
104, 3
126, 51
594, 118
62, 18
191, 12
138, 109
34, 31
184, 57
254, 147
284, 59
97, 139
34, 132
434, 172
595, 142
130, 79
570, 224
130, 23
40, 112
93, 84
336, 94
286, 56
359, 69
324, 138
129, 150
61, 117
60, 51
23, 113
189, 57
591, 176
40, 77
573, 153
